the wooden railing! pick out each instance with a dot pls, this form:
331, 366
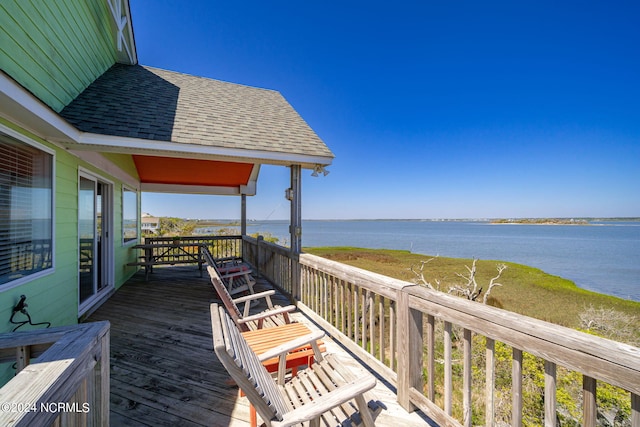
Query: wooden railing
219, 246
423, 342
68, 384
271, 261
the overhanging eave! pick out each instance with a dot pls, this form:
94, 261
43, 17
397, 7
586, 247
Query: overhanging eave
117, 144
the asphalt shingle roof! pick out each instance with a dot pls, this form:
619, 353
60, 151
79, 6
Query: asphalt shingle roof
154, 104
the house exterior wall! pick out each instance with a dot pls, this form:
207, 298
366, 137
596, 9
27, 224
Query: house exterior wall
54, 297
55, 49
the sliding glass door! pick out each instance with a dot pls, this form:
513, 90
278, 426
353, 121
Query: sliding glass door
95, 249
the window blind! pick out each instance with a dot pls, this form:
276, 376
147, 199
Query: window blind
25, 209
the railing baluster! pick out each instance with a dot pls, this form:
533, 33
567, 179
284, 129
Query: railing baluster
431, 350
343, 285
363, 316
356, 314
334, 302
589, 405
23, 357
635, 410
448, 378
392, 336
350, 308
381, 329
549, 394
323, 295
516, 388
490, 381
466, 380
372, 322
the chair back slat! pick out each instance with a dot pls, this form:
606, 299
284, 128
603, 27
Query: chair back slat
244, 367
225, 296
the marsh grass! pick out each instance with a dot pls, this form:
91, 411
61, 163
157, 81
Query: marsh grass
526, 290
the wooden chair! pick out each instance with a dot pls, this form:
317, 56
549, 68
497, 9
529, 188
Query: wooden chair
273, 315
237, 278
279, 329
327, 392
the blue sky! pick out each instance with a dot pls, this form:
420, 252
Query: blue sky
459, 109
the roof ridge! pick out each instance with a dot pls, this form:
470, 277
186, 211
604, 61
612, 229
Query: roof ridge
149, 67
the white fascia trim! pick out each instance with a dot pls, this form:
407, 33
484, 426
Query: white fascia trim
249, 189
19, 95
173, 149
133, 52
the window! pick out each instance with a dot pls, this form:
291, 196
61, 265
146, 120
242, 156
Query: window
129, 215
26, 210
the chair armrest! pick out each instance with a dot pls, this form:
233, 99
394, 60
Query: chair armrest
234, 273
328, 401
267, 314
251, 297
291, 345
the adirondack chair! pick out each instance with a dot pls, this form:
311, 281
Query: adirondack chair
262, 340
236, 279
273, 315
326, 393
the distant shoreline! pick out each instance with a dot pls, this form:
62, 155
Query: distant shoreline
542, 221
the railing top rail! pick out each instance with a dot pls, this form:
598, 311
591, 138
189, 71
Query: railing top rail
276, 248
55, 376
381, 284
611, 361
191, 238
11, 340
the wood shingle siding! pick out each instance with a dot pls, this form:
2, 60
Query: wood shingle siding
55, 49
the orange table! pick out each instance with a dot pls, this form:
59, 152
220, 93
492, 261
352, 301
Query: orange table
262, 340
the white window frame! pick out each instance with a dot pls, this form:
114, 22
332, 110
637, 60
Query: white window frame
122, 216
9, 132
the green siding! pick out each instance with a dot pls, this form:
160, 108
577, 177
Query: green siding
54, 298
124, 161
55, 49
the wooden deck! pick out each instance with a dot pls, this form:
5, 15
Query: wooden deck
163, 368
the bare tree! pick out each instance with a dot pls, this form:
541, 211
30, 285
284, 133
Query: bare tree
420, 279
470, 289
611, 324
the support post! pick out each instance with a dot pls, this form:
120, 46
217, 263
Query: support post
295, 228
243, 215
410, 349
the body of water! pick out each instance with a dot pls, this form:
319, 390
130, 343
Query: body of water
603, 257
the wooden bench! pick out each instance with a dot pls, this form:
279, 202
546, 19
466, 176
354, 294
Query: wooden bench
168, 254
327, 392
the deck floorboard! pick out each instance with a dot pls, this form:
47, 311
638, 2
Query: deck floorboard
163, 368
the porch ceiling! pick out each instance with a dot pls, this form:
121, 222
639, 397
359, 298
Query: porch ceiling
170, 174
167, 170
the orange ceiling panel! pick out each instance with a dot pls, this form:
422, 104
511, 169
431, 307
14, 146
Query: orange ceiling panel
169, 170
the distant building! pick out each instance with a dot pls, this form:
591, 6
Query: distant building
149, 224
